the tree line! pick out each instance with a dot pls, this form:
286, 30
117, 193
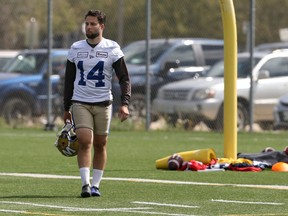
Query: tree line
126, 20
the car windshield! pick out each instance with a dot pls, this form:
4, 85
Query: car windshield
135, 53
4, 61
29, 63
243, 69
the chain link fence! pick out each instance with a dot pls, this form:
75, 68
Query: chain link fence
24, 26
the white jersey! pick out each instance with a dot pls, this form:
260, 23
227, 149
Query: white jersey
94, 70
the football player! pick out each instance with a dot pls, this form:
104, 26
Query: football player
88, 98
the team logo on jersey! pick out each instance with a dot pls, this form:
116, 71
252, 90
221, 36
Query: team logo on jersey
102, 54
82, 55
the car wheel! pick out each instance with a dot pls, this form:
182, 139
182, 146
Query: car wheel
242, 119
137, 106
266, 125
17, 110
172, 119
190, 124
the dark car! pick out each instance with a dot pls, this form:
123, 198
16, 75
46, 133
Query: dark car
270, 47
24, 84
171, 60
281, 113
6, 56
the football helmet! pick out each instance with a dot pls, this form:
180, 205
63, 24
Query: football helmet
66, 141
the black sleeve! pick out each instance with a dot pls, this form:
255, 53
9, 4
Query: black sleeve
70, 74
124, 80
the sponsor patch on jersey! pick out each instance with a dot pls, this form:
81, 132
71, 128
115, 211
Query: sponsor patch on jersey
102, 54
82, 55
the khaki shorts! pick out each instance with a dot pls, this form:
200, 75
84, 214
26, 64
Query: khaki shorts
97, 118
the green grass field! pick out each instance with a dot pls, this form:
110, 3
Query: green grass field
49, 184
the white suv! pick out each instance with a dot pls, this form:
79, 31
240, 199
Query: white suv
202, 99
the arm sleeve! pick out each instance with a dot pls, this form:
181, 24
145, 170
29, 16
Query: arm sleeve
70, 74
124, 80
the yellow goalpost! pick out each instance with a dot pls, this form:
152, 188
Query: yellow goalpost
230, 78
230, 94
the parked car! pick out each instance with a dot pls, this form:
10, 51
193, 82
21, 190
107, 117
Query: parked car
202, 99
281, 113
24, 84
6, 56
271, 46
171, 60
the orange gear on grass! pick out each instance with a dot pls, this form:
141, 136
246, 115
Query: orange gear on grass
280, 167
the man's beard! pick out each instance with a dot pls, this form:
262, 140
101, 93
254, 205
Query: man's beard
92, 36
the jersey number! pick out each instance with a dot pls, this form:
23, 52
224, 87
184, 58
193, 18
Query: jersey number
99, 77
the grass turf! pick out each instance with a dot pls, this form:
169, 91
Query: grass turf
132, 154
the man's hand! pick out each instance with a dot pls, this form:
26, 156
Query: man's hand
67, 116
123, 113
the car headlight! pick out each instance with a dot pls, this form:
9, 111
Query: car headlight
203, 94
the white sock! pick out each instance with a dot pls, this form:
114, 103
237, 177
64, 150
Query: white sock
97, 176
85, 175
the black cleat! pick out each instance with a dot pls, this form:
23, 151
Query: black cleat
86, 191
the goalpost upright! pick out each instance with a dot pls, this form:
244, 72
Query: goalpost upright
230, 78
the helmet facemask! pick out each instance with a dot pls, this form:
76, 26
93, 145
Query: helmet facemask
67, 142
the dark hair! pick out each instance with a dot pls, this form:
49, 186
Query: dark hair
97, 13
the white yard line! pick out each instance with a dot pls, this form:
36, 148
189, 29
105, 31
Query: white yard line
275, 187
159, 213
12, 211
67, 208
29, 213
165, 204
246, 202
138, 210
141, 210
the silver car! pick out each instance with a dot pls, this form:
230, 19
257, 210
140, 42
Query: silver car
202, 99
281, 113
